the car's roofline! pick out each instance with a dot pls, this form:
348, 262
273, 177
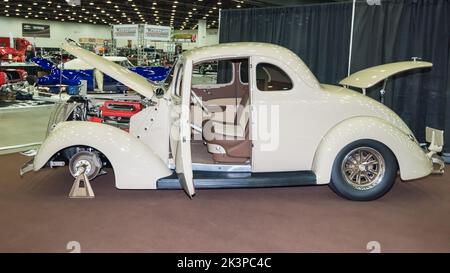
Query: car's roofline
249, 49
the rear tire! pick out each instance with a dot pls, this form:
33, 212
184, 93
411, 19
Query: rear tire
364, 170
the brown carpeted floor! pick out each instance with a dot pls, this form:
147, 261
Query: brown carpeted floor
37, 216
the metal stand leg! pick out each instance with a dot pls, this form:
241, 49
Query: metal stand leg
81, 190
382, 92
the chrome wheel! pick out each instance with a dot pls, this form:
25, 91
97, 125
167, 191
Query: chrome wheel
363, 168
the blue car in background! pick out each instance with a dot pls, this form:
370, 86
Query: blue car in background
76, 70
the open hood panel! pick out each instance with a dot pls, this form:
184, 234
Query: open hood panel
115, 71
371, 76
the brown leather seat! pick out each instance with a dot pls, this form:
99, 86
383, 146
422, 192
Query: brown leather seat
230, 142
230, 149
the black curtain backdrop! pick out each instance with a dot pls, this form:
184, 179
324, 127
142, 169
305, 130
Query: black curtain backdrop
394, 31
398, 30
319, 34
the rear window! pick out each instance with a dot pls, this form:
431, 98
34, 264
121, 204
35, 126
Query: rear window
270, 77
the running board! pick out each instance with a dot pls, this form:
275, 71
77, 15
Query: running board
219, 180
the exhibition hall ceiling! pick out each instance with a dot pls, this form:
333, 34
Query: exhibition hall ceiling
180, 14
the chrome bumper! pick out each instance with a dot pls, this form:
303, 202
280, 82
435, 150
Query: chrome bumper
436, 139
438, 164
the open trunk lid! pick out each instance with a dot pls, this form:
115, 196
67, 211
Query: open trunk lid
371, 76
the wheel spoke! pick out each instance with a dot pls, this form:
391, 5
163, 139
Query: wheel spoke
368, 179
367, 158
363, 168
349, 169
352, 159
353, 174
372, 162
358, 178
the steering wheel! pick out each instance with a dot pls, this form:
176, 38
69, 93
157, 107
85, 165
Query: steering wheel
199, 102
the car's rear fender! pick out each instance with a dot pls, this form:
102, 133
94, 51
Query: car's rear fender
412, 160
135, 165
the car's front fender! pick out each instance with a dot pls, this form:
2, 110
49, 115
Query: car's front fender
135, 165
412, 160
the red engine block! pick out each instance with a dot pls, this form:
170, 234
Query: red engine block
117, 112
123, 109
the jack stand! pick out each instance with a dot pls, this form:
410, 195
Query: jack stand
81, 190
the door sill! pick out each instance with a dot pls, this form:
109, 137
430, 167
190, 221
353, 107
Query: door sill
221, 167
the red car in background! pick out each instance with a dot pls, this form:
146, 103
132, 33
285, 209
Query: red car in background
3, 79
16, 54
11, 79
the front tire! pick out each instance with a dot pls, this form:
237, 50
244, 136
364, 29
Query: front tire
364, 170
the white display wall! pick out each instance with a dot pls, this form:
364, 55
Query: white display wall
58, 31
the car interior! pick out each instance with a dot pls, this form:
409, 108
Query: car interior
223, 88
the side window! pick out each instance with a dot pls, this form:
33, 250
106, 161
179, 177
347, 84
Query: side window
272, 78
212, 72
243, 71
179, 81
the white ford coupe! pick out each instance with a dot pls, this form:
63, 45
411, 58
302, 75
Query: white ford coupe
265, 121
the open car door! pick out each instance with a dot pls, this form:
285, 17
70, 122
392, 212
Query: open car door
181, 129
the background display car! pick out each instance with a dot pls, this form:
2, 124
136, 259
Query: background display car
287, 129
12, 82
15, 54
74, 71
